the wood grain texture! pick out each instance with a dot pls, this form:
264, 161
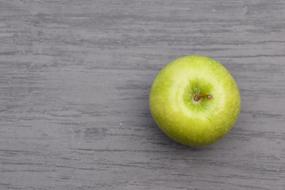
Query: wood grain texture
74, 83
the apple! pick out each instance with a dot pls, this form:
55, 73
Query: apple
195, 100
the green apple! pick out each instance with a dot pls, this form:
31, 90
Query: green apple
195, 100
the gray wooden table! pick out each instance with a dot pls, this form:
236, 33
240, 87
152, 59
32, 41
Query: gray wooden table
74, 84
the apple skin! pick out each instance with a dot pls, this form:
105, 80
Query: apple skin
195, 100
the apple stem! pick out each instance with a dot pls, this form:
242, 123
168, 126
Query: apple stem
198, 97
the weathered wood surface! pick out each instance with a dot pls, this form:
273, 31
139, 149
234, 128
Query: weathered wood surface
74, 83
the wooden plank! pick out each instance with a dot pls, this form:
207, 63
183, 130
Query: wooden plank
74, 84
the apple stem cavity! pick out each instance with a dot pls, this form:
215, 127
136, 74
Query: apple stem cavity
198, 97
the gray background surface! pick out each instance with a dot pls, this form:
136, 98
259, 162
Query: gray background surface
74, 83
